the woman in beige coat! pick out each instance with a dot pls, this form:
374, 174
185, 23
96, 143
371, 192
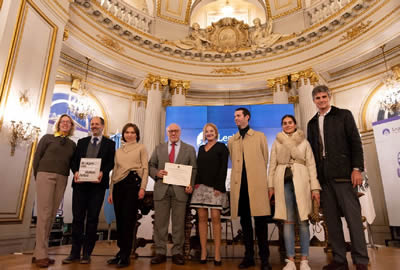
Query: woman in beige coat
293, 180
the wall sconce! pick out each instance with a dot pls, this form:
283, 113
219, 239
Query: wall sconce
22, 132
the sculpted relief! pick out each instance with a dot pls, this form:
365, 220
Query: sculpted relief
230, 35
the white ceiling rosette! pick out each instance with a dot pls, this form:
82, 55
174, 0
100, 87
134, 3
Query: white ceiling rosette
177, 11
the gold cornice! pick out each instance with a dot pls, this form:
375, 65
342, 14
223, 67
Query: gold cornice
187, 14
246, 64
364, 63
65, 35
309, 74
299, 6
273, 83
356, 30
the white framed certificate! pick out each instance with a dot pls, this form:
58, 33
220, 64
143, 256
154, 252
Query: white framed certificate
178, 174
89, 169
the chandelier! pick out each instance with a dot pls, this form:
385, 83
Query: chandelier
390, 98
79, 105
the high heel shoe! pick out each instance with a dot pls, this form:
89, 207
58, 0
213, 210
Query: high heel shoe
217, 263
204, 261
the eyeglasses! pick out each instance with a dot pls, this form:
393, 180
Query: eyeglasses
174, 131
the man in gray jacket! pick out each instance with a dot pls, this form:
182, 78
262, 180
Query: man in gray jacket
169, 198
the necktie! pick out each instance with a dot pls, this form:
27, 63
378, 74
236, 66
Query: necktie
172, 154
95, 139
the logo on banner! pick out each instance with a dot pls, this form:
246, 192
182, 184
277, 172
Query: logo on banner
386, 131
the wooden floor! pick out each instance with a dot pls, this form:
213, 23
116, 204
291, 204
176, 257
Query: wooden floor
381, 259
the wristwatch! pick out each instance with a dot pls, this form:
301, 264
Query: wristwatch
357, 169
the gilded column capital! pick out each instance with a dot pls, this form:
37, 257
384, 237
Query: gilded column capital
153, 79
308, 74
136, 97
273, 83
293, 99
175, 84
166, 102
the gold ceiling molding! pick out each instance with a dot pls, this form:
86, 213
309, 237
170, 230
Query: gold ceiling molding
160, 12
152, 79
363, 63
228, 70
260, 62
93, 69
385, 2
110, 43
356, 31
294, 4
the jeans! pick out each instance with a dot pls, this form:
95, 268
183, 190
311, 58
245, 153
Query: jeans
288, 228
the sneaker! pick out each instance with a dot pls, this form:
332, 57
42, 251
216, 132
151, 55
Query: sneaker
290, 265
304, 265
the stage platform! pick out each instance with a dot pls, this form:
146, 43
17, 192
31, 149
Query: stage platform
383, 258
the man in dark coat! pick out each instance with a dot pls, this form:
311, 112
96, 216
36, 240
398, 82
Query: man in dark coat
338, 153
88, 197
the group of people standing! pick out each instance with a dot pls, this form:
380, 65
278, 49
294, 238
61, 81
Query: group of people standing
327, 165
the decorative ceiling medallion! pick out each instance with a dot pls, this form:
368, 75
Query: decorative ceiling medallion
228, 71
280, 8
110, 43
174, 10
356, 31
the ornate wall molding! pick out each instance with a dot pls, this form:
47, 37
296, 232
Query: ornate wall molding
111, 43
356, 31
228, 70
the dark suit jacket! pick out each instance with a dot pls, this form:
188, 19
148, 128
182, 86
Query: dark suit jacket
106, 153
343, 149
186, 156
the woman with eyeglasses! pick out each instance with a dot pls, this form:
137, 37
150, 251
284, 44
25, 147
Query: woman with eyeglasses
293, 181
51, 166
128, 185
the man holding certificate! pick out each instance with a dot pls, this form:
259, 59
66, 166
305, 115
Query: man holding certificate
173, 167
92, 162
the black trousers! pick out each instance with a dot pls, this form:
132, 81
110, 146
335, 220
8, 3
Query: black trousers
340, 199
87, 199
125, 200
260, 222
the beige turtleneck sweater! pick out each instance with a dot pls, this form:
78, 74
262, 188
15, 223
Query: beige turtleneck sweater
130, 157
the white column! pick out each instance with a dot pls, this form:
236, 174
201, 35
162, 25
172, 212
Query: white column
307, 106
280, 94
178, 90
138, 114
151, 134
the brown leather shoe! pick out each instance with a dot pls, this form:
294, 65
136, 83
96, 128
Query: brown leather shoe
361, 266
42, 263
51, 261
159, 258
178, 259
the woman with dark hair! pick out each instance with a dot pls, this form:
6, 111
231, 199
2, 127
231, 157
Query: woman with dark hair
293, 181
51, 166
209, 191
128, 184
